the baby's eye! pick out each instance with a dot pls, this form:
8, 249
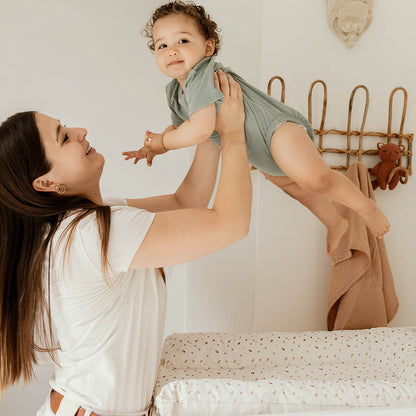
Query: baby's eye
183, 41
162, 46
66, 138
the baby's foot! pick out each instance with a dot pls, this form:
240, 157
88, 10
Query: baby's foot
376, 221
335, 234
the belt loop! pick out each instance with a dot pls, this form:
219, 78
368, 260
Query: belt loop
67, 408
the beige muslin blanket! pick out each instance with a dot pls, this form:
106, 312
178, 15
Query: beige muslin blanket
361, 289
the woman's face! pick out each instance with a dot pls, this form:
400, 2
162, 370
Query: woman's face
75, 163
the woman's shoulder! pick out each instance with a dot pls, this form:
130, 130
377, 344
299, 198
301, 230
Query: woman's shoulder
114, 201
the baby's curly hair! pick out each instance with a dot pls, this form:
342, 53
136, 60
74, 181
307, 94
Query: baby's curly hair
208, 27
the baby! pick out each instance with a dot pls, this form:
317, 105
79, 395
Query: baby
279, 139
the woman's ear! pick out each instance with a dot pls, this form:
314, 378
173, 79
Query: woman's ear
43, 184
209, 47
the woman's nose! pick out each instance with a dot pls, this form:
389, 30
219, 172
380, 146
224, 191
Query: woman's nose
81, 133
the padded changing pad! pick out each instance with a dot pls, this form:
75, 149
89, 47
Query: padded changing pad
275, 372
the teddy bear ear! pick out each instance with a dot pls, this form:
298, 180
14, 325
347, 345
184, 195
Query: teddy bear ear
401, 147
380, 145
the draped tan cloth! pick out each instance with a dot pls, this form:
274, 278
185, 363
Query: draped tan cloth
361, 288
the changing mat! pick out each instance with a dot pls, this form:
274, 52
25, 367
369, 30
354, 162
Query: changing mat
275, 372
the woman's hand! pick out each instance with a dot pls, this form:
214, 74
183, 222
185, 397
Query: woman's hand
230, 117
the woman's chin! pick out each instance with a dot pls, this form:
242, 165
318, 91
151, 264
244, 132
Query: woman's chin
101, 157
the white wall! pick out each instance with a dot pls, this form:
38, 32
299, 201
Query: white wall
85, 62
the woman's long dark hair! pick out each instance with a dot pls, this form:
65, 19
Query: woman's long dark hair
28, 222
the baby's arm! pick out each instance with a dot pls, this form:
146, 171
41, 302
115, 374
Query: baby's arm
198, 128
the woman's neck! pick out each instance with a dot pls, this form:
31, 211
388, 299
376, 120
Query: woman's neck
96, 197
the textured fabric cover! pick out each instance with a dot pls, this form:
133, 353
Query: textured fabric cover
361, 291
255, 373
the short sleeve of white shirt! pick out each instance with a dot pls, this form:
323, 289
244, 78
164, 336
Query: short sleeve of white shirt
129, 226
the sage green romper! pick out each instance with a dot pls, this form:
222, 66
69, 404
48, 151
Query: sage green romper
263, 113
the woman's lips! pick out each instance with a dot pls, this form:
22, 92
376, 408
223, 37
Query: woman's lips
90, 150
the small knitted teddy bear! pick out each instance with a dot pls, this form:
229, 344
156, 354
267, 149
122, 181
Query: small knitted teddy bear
388, 153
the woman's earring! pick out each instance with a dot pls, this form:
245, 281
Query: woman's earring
60, 189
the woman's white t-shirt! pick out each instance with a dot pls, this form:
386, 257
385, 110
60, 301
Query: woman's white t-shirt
110, 335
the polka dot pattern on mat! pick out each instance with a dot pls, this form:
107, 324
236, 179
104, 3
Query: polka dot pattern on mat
273, 370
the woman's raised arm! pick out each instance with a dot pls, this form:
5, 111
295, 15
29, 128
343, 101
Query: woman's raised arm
196, 188
182, 235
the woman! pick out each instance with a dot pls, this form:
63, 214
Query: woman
93, 270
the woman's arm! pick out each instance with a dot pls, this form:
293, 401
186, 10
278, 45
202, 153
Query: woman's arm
195, 190
197, 129
182, 235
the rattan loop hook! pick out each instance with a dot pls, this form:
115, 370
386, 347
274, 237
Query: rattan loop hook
324, 102
282, 86
391, 111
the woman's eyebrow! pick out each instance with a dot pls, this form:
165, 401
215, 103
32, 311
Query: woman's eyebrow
58, 131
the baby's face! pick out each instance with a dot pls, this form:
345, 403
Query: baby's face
179, 45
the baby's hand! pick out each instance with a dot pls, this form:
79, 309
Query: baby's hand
143, 153
154, 142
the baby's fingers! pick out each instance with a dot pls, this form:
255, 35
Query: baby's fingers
129, 154
150, 157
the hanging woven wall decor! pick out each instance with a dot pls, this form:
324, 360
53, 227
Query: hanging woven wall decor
369, 142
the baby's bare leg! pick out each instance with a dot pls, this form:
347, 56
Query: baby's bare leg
319, 205
297, 156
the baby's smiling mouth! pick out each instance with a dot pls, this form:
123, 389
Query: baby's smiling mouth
89, 150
